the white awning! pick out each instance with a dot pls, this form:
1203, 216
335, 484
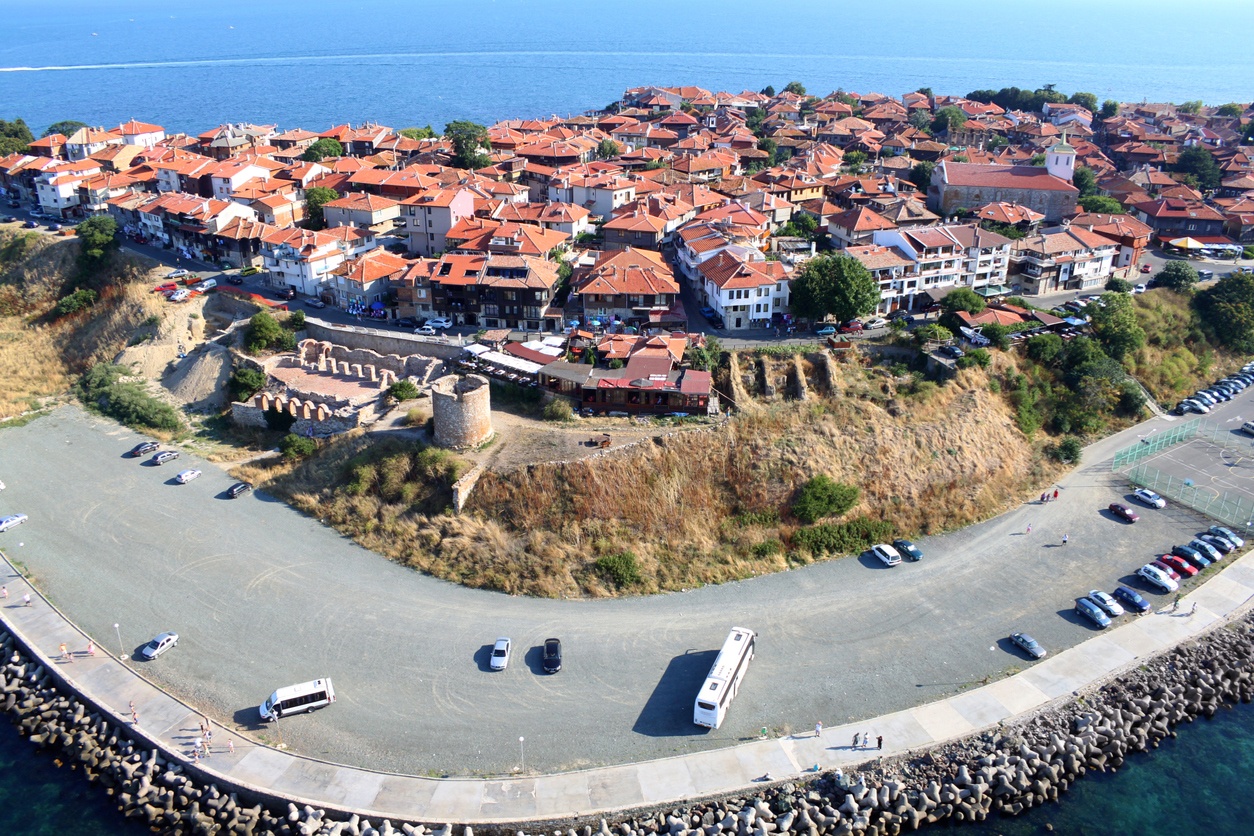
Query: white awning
476, 349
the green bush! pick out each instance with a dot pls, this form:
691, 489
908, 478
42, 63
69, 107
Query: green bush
932, 331
246, 382
264, 333
998, 335
823, 497
976, 357
1068, 450
1044, 348
403, 390
767, 548
1117, 285
79, 300
852, 537
622, 569
101, 388
768, 517
557, 410
295, 446
295, 320
152, 320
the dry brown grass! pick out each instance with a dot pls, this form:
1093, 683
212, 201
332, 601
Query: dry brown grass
1177, 358
39, 358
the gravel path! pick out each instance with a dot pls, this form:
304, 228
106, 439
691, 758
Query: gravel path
263, 596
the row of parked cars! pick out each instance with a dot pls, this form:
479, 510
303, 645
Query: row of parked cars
160, 457
1204, 400
892, 555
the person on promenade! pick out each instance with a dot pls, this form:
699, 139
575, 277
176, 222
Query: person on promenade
91, 648
4, 592
1065, 538
855, 740
26, 600
1194, 609
818, 729
1029, 530
1055, 493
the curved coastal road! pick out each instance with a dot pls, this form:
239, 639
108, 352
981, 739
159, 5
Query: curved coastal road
263, 596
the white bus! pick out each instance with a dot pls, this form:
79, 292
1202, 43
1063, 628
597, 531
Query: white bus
724, 680
294, 699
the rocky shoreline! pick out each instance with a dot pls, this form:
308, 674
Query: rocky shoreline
1001, 772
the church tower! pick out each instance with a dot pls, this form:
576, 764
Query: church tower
1060, 160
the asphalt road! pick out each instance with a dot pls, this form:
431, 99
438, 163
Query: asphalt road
263, 596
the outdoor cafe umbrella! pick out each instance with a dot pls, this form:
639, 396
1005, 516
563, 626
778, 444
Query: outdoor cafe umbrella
1187, 243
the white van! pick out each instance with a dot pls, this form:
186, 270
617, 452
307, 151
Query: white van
207, 284
295, 699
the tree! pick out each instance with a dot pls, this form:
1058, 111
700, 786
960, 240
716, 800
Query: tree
1085, 100
932, 332
654, 165
770, 147
948, 118
1085, 180
1230, 109
960, 299
768, 91
246, 382
315, 198
417, 133
1102, 204
469, 140
1197, 161
996, 141
1037, 160
795, 87
926, 91
921, 174
754, 119
1179, 276
65, 127
1227, 308
823, 497
1115, 325
97, 237
1045, 348
323, 148
834, 285
1008, 230
921, 120
14, 136
403, 390
608, 149
264, 333
1117, 285
855, 159
1190, 107
1110, 109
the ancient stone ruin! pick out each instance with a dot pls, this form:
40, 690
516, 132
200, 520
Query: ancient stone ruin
462, 410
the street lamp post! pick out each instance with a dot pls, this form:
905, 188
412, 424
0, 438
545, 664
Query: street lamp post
522, 755
122, 654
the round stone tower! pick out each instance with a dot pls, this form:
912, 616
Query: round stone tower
462, 410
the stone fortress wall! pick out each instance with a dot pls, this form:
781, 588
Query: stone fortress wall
462, 410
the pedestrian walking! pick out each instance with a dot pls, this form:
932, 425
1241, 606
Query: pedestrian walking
65, 653
134, 717
1175, 605
230, 746
26, 600
866, 740
202, 728
1194, 608
1055, 493
818, 728
1029, 531
879, 741
855, 740
4, 592
91, 648
131, 705
196, 755
1065, 538
1042, 499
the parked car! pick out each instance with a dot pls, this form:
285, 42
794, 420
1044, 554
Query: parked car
1207, 549
165, 456
904, 316
235, 280
1139, 288
285, 293
824, 329
1183, 568
407, 322
1195, 557
180, 295
1150, 498
1028, 645
1087, 609
159, 645
1166, 569
1190, 405
12, 521
1145, 268
1157, 578
1222, 544
551, 656
427, 331
908, 550
875, 322
1123, 512
186, 476
1108, 604
853, 326
1131, 600
440, 322
951, 351
54, 227
178, 274
31, 225
10, 219
315, 303
1228, 534
165, 287
886, 553
143, 449
500, 654
708, 312
238, 489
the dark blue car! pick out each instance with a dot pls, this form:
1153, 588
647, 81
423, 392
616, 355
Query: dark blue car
1131, 601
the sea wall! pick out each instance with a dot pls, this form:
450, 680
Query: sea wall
1001, 772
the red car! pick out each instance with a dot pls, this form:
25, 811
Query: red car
1145, 268
1166, 568
165, 288
1182, 566
853, 326
1123, 512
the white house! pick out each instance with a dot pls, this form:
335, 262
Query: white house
301, 258
745, 292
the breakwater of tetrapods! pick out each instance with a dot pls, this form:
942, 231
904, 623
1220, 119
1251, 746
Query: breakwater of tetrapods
1000, 772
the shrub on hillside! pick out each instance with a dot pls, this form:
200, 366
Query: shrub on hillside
621, 569
558, 410
295, 320
852, 537
1117, 285
403, 390
79, 300
246, 382
101, 388
932, 331
295, 446
823, 497
1066, 451
265, 334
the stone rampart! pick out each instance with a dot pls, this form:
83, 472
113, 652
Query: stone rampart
462, 410
384, 342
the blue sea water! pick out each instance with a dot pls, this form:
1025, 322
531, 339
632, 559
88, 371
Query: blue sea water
313, 63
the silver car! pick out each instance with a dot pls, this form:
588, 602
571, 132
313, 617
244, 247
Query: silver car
160, 645
500, 654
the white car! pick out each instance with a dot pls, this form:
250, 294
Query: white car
178, 274
160, 645
187, 476
426, 331
875, 322
439, 322
180, 295
1150, 498
886, 553
1140, 288
500, 654
11, 521
1157, 578
1106, 602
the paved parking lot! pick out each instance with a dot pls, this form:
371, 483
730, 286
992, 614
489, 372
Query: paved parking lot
263, 596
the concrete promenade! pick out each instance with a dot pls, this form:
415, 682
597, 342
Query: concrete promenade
113, 685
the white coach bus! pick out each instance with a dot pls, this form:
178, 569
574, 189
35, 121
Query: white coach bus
724, 680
